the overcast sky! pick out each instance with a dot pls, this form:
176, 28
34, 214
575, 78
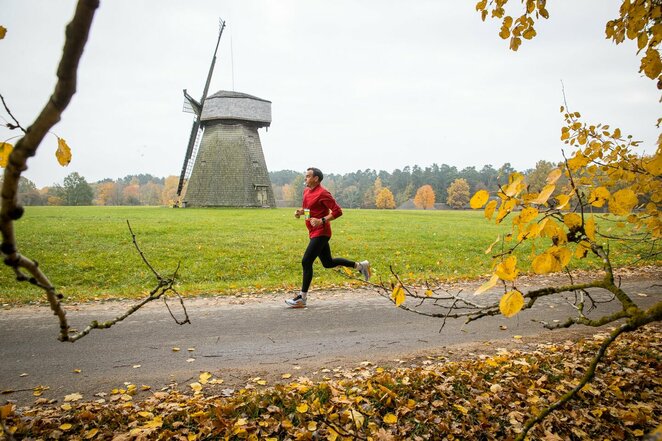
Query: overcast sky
354, 84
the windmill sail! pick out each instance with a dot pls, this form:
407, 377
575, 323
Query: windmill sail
194, 138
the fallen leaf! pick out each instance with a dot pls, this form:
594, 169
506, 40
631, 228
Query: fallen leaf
73, 397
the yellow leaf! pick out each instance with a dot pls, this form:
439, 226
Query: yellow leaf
599, 196
66, 426
489, 209
358, 418
63, 152
507, 270
561, 256
505, 208
479, 199
312, 426
398, 295
572, 220
542, 264
204, 377
286, 376
145, 414
462, 409
487, 285
511, 303
527, 215
429, 292
515, 186
389, 418
582, 249
589, 228
302, 408
622, 202
577, 162
91, 433
197, 387
545, 193
554, 176
563, 199
5, 151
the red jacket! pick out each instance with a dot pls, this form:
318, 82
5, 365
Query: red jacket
320, 202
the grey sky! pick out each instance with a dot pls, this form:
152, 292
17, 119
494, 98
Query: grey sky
354, 84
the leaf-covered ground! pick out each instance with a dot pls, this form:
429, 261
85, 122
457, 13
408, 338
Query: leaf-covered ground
480, 398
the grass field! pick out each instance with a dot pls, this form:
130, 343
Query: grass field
87, 252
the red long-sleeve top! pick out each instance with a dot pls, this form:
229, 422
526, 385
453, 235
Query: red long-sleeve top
321, 203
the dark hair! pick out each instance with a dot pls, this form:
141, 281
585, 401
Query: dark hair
317, 172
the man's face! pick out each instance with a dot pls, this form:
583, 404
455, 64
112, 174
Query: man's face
310, 180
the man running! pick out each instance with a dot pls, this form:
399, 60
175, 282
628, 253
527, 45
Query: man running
319, 209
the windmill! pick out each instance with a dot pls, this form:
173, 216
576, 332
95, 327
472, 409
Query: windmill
224, 164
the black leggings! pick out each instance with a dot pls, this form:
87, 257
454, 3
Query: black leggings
319, 247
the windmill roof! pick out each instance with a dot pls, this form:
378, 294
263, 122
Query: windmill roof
232, 94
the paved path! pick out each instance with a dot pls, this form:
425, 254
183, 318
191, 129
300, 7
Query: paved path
237, 338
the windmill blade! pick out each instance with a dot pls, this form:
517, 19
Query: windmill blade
195, 131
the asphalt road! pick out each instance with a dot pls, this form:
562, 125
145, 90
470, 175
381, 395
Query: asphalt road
236, 338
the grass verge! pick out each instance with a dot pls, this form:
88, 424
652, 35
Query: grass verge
87, 251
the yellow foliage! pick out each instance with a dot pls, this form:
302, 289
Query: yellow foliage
564, 200
63, 152
489, 209
505, 208
542, 264
511, 303
479, 199
5, 151
554, 176
572, 220
390, 418
516, 185
385, 199
544, 194
599, 196
507, 270
398, 295
589, 228
622, 202
424, 197
488, 285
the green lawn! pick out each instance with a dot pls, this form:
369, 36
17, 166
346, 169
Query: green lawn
88, 254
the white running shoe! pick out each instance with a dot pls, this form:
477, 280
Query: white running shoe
364, 269
297, 302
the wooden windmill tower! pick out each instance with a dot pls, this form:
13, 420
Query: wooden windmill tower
224, 164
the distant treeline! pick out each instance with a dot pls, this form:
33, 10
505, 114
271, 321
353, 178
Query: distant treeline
356, 189
352, 190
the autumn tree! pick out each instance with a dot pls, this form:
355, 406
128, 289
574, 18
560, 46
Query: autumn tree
601, 169
385, 199
424, 197
169, 193
458, 193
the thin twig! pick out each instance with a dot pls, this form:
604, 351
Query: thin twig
17, 125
